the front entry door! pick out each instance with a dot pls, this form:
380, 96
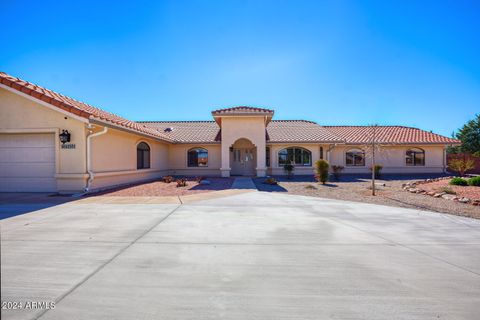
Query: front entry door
243, 163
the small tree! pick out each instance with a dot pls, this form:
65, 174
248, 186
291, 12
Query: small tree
321, 169
469, 134
461, 165
288, 168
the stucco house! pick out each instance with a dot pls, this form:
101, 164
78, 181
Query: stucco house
50, 142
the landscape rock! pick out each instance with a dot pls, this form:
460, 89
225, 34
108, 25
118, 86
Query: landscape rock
448, 197
464, 200
438, 195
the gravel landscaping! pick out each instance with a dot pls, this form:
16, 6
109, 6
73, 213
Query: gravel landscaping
160, 188
357, 188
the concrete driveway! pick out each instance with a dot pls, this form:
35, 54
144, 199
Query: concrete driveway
249, 256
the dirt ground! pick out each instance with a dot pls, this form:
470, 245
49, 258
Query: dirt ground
389, 192
160, 188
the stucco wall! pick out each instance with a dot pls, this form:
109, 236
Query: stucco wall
177, 159
19, 114
393, 159
114, 159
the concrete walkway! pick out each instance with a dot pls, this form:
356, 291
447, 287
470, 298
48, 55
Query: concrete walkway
253, 255
243, 183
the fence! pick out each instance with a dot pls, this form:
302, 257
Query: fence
466, 156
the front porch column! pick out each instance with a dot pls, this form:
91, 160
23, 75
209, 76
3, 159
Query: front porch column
225, 168
261, 167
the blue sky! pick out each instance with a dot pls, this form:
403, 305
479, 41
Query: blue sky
413, 63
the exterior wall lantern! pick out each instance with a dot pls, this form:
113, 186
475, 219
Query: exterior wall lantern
64, 136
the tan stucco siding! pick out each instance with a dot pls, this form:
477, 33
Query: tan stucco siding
392, 158
114, 159
251, 128
20, 114
177, 158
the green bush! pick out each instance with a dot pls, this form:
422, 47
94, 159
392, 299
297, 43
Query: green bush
321, 169
458, 182
475, 181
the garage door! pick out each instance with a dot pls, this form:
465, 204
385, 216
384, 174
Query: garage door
27, 162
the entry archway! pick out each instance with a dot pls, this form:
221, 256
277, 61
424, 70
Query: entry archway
243, 158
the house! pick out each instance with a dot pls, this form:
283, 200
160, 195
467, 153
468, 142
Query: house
50, 142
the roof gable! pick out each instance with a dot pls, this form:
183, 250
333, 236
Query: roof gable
76, 107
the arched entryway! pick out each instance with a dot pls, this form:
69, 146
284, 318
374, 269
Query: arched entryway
243, 158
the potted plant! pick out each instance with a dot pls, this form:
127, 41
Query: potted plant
337, 171
288, 168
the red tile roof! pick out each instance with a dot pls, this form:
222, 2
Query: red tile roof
389, 135
287, 131
242, 110
76, 107
209, 132
299, 131
188, 131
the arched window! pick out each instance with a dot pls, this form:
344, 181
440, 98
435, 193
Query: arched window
355, 158
197, 157
296, 156
143, 156
415, 157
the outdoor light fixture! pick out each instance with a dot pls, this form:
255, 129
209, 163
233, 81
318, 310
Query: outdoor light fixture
64, 136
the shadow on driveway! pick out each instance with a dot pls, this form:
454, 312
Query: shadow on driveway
14, 204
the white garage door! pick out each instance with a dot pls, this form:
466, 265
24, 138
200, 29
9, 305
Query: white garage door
27, 162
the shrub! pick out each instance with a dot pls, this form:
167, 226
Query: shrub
168, 179
311, 187
458, 182
474, 181
321, 169
337, 171
182, 182
461, 165
288, 168
378, 170
271, 181
447, 190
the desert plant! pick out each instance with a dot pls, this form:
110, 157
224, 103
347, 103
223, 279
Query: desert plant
168, 179
321, 170
270, 181
181, 182
461, 165
288, 168
474, 181
378, 170
447, 190
458, 182
337, 171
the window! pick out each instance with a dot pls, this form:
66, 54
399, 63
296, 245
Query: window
143, 156
197, 157
267, 156
296, 156
355, 158
321, 152
415, 157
